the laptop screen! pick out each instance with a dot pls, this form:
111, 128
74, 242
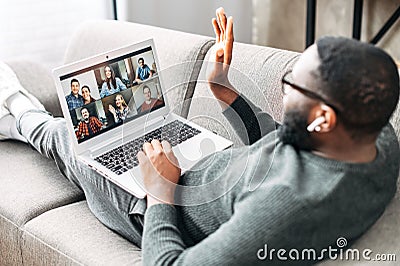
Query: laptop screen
106, 95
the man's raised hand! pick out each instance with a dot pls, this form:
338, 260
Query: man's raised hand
217, 73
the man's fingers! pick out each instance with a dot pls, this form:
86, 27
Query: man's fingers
229, 42
166, 146
223, 21
218, 17
216, 30
229, 30
156, 145
223, 28
141, 157
169, 153
220, 13
220, 54
147, 148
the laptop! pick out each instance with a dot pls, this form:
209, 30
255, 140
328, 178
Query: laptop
114, 102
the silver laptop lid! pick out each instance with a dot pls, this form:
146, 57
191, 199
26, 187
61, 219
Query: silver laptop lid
101, 95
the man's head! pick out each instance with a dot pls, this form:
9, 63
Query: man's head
147, 93
141, 62
85, 114
74, 86
339, 83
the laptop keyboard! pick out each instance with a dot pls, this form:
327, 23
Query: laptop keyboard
123, 158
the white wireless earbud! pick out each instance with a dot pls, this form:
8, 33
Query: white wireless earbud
315, 125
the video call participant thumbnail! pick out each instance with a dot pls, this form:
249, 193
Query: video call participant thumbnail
88, 126
74, 99
149, 103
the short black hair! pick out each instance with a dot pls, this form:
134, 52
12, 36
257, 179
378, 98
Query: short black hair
84, 109
144, 87
361, 79
141, 58
74, 80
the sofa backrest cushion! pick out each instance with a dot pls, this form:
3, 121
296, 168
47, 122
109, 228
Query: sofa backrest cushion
395, 121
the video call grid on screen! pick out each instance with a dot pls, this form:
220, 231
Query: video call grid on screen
132, 92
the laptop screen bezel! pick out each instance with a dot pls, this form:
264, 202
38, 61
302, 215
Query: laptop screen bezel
116, 133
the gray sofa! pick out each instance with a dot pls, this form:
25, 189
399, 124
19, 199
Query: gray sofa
44, 220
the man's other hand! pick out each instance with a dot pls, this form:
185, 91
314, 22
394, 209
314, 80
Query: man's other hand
160, 170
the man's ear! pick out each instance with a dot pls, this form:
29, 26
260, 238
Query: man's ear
322, 118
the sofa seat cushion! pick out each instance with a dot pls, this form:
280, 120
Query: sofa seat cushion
71, 235
256, 71
30, 186
178, 58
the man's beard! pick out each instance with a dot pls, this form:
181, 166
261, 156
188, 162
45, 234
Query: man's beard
293, 130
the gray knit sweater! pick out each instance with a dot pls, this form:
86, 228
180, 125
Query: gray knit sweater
266, 196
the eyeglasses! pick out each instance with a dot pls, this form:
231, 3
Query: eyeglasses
287, 79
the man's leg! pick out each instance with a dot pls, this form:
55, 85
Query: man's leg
113, 206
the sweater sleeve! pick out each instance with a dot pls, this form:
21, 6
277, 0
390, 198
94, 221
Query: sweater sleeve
249, 121
103, 90
121, 86
254, 224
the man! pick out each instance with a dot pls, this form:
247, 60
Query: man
74, 99
320, 179
88, 126
149, 102
143, 71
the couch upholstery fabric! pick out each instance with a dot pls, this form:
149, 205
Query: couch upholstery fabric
30, 186
65, 246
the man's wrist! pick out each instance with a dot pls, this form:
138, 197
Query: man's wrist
154, 201
159, 194
225, 94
